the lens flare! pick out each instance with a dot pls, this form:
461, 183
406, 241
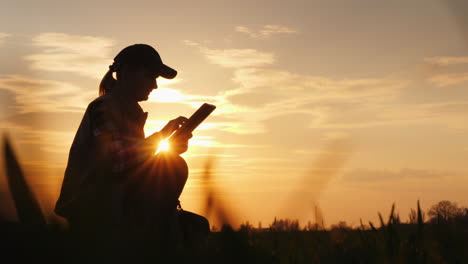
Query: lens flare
163, 146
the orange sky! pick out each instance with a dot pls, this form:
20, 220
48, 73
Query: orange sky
348, 105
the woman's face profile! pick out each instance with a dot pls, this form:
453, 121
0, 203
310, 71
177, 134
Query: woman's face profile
140, 82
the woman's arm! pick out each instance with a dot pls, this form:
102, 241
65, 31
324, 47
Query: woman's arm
120, 151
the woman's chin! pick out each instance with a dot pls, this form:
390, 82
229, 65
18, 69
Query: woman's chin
143, 98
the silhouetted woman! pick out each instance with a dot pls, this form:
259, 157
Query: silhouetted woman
113, 180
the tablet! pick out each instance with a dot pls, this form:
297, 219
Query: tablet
192, 123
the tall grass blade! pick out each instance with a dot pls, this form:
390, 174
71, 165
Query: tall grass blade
329, 163
319, 221
420, 220
382, 223
391, 218
27, 207
214, 206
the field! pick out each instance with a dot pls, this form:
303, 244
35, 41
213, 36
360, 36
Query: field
391, 243
443, 239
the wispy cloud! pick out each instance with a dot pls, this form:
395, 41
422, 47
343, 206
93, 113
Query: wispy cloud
84, 55
360, 176
446, 71
451, 115
38, 95
449, 79
266, 94
238, 58
3, 36
47, 140
266, 31
310, 88
234, 58
331, 103
405, 180
262, 94
446, 60
326, 103
322, 102
190, 43
285, 93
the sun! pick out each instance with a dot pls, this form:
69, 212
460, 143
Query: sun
163, 146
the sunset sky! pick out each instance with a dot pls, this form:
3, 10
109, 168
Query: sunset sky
348, 105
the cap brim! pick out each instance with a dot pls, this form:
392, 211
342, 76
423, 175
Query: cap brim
167, 72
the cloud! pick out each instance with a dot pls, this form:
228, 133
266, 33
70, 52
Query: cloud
266, 31
309, 88
446, 60
289, 93
331, 103
262, 94
42, 139
360, 176
55, 121
238, 58
449, 114
446, 70
456, 107
85, 55
234, 58
3, 36
190, 43
38, 95
449, 79
327, 103
265, 94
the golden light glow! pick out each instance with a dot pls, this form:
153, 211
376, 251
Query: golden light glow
166, 95
163, 146
201, 141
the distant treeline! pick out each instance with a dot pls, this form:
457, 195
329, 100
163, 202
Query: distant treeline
443, 212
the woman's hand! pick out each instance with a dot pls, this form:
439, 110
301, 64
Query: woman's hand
172, 126
179, 144
167, 130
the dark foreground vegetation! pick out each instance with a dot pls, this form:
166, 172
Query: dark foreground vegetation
442, 238
392, 242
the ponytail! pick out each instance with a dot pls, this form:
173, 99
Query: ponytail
108, 82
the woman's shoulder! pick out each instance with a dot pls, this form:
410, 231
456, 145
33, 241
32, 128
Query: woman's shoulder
103, 113
102, 104
100, 101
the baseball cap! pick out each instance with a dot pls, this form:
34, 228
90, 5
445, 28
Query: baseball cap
147, 56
